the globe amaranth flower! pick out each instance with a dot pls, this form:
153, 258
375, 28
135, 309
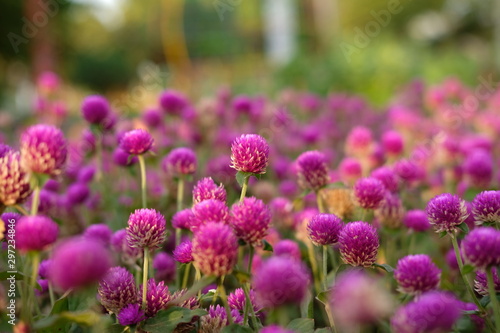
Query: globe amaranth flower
312, 170
43, 268
95, 109
117, 289
183, 253
250, 153
486, 207
215, 249
280, 281
416, 220
120, 244
287, 248
100, 232
275, 329
388, 177
324, 229
78, 262
357, 299
478, 168
146, 229
481, 282
180, 162
350, 170
122, 158
172, 102
359, 244
35, 233
183, 219
445, 212
416, 274
14, 180
250, 220
476, 319
207, 189
77, 193
392, 142
209, 211
359, 141
481, 247
164, 266
435, 311
391, 211
216, 319
190, 303
43, 150
136, 142
237, 300
131, 314
369, 192
157, 297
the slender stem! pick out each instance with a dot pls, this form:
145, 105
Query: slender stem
246, 289
319, 201
145, 278
180, 193
244, 188
412, 242
36, 199
197, 277
142, 165
250, 259
187, 269
493, 298
330, 317
223, 296
178, 235
98, 156
35, 262
314, 265
282, 316
22, 210
51, 295
325, 272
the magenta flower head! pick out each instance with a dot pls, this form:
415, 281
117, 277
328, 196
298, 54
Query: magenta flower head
369, 192
392, 142
117, 289
250, 153
417, 274
237, 300
359, 244
131, 314
100, 232
280, 281
216, 319
287, 248
146, 229
77, 193
350, 170
481, 247
173, 102
120, 244
446, 211
43, 150
14, 180
324, 229
359, 142
183, 253
275, 329
136, 142
183, 219
152, 117
250, 220
312, 170
180, 162
95, 109
209, 211
478, 168
122, 158
435, 311
481, 282
391, 211
78, 262
207, 189
35, 233
388, 177
486, 207
157, 297
215, 249
416, 220
164, 266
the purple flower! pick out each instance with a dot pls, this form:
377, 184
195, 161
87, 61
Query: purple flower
216, 319
481, 247
43, 149
157, 297
388, 177
478, 168
279, 281
392, 142
324, 229
95, 109
416, 220
237, 300
35, 233
117, 289
131, 315
486, 207
180, 161
250, 153
14, 180
183, 219
359, 141
100, 232
215, 249
445, 212
209, 211
312, 170
183, 253
275, 329
417, 274
359, 244
207, 189
136, 142
369, 192
391, 212
287, 248
408, 171
152, 118
250, 220
481, 282
122, 158
350, 170
44, 285
173, 102
77, 193
44, 268
85, 174
78, 262
146, 229
164, 265
190, 303
477, 320
120, 244
435, 311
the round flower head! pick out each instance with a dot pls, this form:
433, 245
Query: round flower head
445, 212
173, 102
237, 300
77, 193
417, 274
14, 181
152, 118
312, 170
478, 168
43, 150
184, 252
435, 311
209, 211
250, 153
164, 266
369, 192
275, 329
324, 229
359, 142
120, 244
207, 189
131, 315
250, 220
481, 282
122, 158
180, 161
359, 244
35, 233
416, 220
146, 229
486, 207
77, 263
136, 142
95, 109
392, 142
391, 212
287, 248
350, 170
183, 219
481, 247
157, 297
477, 320
408, 171
387, 177
216, 319
43, 268
279, 281
85, 175
117, 289
100, 232
215, 249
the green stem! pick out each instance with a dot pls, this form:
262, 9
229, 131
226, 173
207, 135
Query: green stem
493, 298
330, 317
178, 235
187, 269
197, 277
412, 242
142, 166
223, 296
35, 262
250, 259
36, 199
98, 157
244, 188
145, 278
51, 295
319, 201
22, 210
180, 193
314, 265
246, 289
325, 272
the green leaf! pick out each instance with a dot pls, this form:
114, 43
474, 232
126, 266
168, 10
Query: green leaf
468, 269
243, 277
267, 246
167, 320
235, 328
241, 177
464, 227
470, 194
486, 300
342, 268
302, 325
323, 296
5, 275
323, 330
60, 322
442, 234
385, 267
61, 305
116, 328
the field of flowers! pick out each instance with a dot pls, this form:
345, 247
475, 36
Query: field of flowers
234, 213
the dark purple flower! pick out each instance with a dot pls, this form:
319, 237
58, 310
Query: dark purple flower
207, 189
136, 142
131, 315
312, 170
391, 211
95, 109
164, 265
250, 153
77, 193
287, 248
216, 319
120, 244
324, 229
100, 232
237, 300
122, 158
14, 180
146, 229
157, 297
481, 247
275, 329
416, 274
152, 117
4, 149
408, 171
44, 268
86, 174
481, 282
369, 192
35, 233
387, 176
359, 244
250, 220
209, 211
478, 168
173, 102
477, 320
44, 285
183, 219
184, 252
486, 207
445, 212
180, 161
416, 220
51, 185
117, 289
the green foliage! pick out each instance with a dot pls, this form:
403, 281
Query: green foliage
167, 320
